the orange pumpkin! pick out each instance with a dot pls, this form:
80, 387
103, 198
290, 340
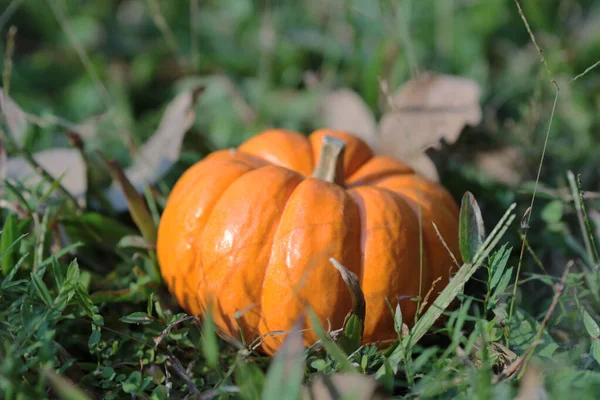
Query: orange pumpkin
248, 234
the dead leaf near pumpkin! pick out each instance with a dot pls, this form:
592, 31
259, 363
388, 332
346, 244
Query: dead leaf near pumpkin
427, 110
161, 151
345, 110
422, 113
58, 162
505, 165
151, 162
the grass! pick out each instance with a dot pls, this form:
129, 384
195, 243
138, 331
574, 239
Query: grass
84, 313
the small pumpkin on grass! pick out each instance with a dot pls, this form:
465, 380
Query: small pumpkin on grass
248, 235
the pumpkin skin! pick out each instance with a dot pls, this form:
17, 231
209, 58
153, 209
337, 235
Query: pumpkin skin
247, 234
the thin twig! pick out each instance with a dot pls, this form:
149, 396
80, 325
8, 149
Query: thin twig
445, 244
588, 69
160, 338
179, 369
539, 172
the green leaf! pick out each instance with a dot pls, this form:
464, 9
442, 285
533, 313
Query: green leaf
553, 212
595, 350
133, 382
149, 307
351, 340
159, 393
8, 281
210, 346
498, 264
398, 319
284, 377
94, 339
137, 318
499, 290
41, 288
250, 379
523, 332
471, 228
590, 325
9, 236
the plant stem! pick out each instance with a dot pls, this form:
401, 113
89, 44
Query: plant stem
330, 166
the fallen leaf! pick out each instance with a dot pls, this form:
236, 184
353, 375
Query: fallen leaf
424, 166
532, 385
503, 165
345, 110
343, 385
426, 110
15, 117
56, 162
161, 151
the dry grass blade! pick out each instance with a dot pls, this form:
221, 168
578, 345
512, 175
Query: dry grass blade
351, 281
139, 211
525, 222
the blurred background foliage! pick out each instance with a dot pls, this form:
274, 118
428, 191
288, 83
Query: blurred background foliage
114, 65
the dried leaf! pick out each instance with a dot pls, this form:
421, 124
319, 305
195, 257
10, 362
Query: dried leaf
503, 165
67, 163
343, 385
426, 110
135, 203
162, 150
532, 385
15, 117
345, 110
424, 166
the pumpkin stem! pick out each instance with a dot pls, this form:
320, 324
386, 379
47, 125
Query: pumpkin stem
330, 166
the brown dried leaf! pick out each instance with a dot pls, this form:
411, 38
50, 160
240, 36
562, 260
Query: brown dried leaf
424, 166
425, 111
503, 165
161, 151
345, 110
532, 385
57, 161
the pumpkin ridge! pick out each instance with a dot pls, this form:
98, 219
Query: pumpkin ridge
280, 191
268, 267
430, 238
198, 256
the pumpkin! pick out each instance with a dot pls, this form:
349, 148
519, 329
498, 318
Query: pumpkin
247, 234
